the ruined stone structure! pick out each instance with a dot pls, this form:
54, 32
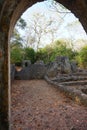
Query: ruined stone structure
34, 71
38, 70
10, 11
73, 85
61, 65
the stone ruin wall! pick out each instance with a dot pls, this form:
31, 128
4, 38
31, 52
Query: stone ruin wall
38, 70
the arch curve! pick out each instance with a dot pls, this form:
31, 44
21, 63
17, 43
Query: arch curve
78, 7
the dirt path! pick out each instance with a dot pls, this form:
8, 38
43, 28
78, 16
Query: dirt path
37, 105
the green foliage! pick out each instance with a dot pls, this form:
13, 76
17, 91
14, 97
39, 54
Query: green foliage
82, 57
16, 43
16, 47
41, 54
16, 55
47, 54
58, 48
21, 23
61, 49
29, 54
16, 40
19, 54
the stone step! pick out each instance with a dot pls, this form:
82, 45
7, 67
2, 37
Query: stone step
72, 78
79, 73
77, 92
73, 74
71, 83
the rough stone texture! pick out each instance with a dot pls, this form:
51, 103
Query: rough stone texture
39, 62
23, 74
60, 65
26, 63
34, 71
39, 69
12, 72
74, 66
64, 64
52, 69
73, 85
10, 11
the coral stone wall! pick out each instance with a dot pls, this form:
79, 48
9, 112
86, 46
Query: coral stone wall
10, 11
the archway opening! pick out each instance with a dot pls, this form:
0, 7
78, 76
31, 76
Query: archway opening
10, 11
19, 92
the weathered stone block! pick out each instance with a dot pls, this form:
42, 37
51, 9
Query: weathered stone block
12, 70
26, 63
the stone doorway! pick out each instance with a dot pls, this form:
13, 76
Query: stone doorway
10, 11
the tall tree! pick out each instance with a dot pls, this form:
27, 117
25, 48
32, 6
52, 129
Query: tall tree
16, 39
57, 7
16, 42
41, 27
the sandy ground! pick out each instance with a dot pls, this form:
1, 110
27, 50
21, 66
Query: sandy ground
36, 105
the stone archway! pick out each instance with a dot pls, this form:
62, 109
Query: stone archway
10, 11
